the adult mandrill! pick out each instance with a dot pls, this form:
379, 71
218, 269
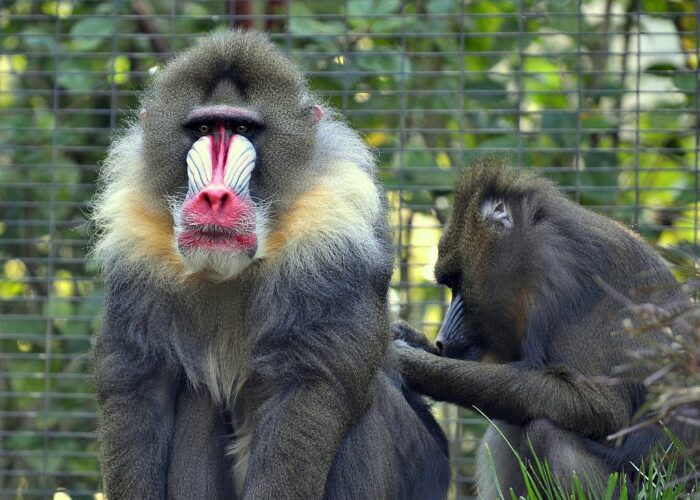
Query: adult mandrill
247, 260
530, 331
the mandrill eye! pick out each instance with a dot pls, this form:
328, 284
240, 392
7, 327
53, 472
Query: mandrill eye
241, 129
203, 129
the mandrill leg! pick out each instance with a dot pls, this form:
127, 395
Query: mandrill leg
198, 466
566, 455
497, 467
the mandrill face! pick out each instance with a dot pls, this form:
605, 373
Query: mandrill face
218, 226
218, 213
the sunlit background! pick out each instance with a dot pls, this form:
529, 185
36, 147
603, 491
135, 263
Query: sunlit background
600, 95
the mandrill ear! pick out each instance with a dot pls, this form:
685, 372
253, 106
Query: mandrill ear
317, 112
497, 211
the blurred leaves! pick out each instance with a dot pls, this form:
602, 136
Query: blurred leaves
432, 84
91, 32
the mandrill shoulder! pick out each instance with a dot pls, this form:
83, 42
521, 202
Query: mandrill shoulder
342, 209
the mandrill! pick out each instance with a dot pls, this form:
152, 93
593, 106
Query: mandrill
532, 338
247, 258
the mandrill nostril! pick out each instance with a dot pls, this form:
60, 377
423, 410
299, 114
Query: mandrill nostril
216, 198
439, 346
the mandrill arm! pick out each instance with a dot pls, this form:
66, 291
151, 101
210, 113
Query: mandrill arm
295, 443
136, 393
317, 357
517, 394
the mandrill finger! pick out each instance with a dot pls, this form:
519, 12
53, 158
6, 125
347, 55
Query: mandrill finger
405, 332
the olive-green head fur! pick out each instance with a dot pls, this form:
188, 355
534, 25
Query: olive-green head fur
489, 250
233, 68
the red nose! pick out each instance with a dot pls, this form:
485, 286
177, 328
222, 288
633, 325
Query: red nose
215, 199
216, 205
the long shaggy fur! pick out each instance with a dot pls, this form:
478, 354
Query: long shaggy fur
281, 356
535, 284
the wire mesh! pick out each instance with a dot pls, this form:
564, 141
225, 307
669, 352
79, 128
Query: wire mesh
601, 95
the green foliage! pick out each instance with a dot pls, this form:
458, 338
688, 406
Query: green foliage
431, 83
669, 474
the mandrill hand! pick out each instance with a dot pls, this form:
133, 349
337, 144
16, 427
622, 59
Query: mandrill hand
406, 333
411, 361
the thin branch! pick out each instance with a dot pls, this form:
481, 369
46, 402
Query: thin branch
148, 25
241, 14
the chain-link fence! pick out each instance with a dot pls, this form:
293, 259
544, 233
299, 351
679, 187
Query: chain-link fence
601, 95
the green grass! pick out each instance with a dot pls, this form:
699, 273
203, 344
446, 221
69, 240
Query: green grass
668, 474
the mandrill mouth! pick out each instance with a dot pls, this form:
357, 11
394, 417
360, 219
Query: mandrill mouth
213, 237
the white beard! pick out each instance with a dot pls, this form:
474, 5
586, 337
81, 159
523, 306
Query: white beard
222, 265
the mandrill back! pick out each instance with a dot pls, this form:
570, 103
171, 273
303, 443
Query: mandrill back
247, 260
